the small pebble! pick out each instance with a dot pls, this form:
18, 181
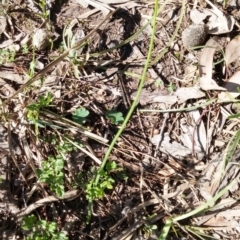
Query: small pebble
41, 39
155, 131
194, 35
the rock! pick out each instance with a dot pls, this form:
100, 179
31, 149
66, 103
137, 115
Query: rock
41, 39
194, 35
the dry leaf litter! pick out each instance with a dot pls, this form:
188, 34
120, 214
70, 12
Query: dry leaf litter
168, 156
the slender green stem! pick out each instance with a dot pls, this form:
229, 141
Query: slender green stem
134, 104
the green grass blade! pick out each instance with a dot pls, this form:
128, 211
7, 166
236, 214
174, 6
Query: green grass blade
206, 205
135, 102
165, 230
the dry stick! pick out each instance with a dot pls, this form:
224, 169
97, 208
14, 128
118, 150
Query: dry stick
68, 195
141, 185
195, 127
161, 134
42, 72
126, 99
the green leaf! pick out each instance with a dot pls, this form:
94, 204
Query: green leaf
111, 166
80, 115
234, 116
60, 190
114, 116
28, 222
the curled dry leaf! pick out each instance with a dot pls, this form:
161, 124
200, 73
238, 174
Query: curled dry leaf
206, 58
217, 22
220, 24
231, 87
205, 67
232, 51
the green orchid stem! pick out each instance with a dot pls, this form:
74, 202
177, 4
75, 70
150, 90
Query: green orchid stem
135, 102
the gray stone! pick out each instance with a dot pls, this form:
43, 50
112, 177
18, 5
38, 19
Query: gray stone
194, 35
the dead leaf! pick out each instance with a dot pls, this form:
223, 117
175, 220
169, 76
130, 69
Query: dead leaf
20, 79
218, 23
38, 64
54, 77
205, 66
232, 88
167, 99
197, 16
219, 221
206, 59
157, 96
172, 147
186, 93
209, 84
232, 51
83, 3
3, 23
190, 73
96, 4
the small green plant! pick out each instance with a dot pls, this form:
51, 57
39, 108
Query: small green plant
41, 229
80, 115
52, 169
44, 9
149, 229
31, 70
34, 109
171, 87
94, 191
52, 174
225, 3
25, 49
114, 116
65, 147
158, 83
7, 56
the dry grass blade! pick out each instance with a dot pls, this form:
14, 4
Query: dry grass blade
70, 124
68, 195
